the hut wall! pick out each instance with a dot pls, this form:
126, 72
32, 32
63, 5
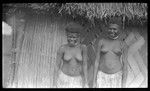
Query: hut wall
43, 36
6, 60
9, 43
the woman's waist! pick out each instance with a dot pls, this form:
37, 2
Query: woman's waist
71, 70
107, 73
110, 57
71, 65
65, 75
110, 67
110, 62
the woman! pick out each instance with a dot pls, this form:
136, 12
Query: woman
71, 64
110, 71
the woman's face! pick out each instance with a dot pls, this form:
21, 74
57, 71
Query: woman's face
113, 31
73, 38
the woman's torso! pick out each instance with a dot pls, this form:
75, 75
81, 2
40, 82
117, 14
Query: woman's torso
72, 61
110, 57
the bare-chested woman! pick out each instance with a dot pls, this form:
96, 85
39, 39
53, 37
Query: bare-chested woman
110, 70
71, 64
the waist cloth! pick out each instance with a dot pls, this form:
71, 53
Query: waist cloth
65, 81
105, 80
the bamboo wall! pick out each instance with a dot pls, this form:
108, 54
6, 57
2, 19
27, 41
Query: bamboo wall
9, 43
41, 42
6, 59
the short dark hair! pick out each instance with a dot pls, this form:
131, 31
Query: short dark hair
71, 31
73, 28
116, 26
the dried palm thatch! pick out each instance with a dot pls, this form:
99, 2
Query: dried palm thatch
100, 10
128, 11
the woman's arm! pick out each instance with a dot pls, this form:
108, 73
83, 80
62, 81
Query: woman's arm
84, 48
124, 61
58, 64
97, 62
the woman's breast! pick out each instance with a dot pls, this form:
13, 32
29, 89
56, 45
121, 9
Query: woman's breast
67, 56
110, 56
70, 55
78, 57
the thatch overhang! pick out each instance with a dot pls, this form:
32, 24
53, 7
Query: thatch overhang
127, 12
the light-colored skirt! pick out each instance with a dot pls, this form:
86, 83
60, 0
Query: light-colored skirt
105, 80
65, 81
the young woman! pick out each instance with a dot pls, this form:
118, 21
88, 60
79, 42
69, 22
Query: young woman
110, 71
71, 64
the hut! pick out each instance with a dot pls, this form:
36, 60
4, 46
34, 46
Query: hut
39, 30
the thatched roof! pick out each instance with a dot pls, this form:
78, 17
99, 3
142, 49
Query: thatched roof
101, 10
91, 11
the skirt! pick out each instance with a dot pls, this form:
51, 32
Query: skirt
105, 80
65, 81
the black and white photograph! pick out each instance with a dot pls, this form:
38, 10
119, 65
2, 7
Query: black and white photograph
74, 45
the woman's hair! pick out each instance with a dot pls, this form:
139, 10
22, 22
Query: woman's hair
114, 25
73, 28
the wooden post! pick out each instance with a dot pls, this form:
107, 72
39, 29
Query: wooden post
11, 77
17, 40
